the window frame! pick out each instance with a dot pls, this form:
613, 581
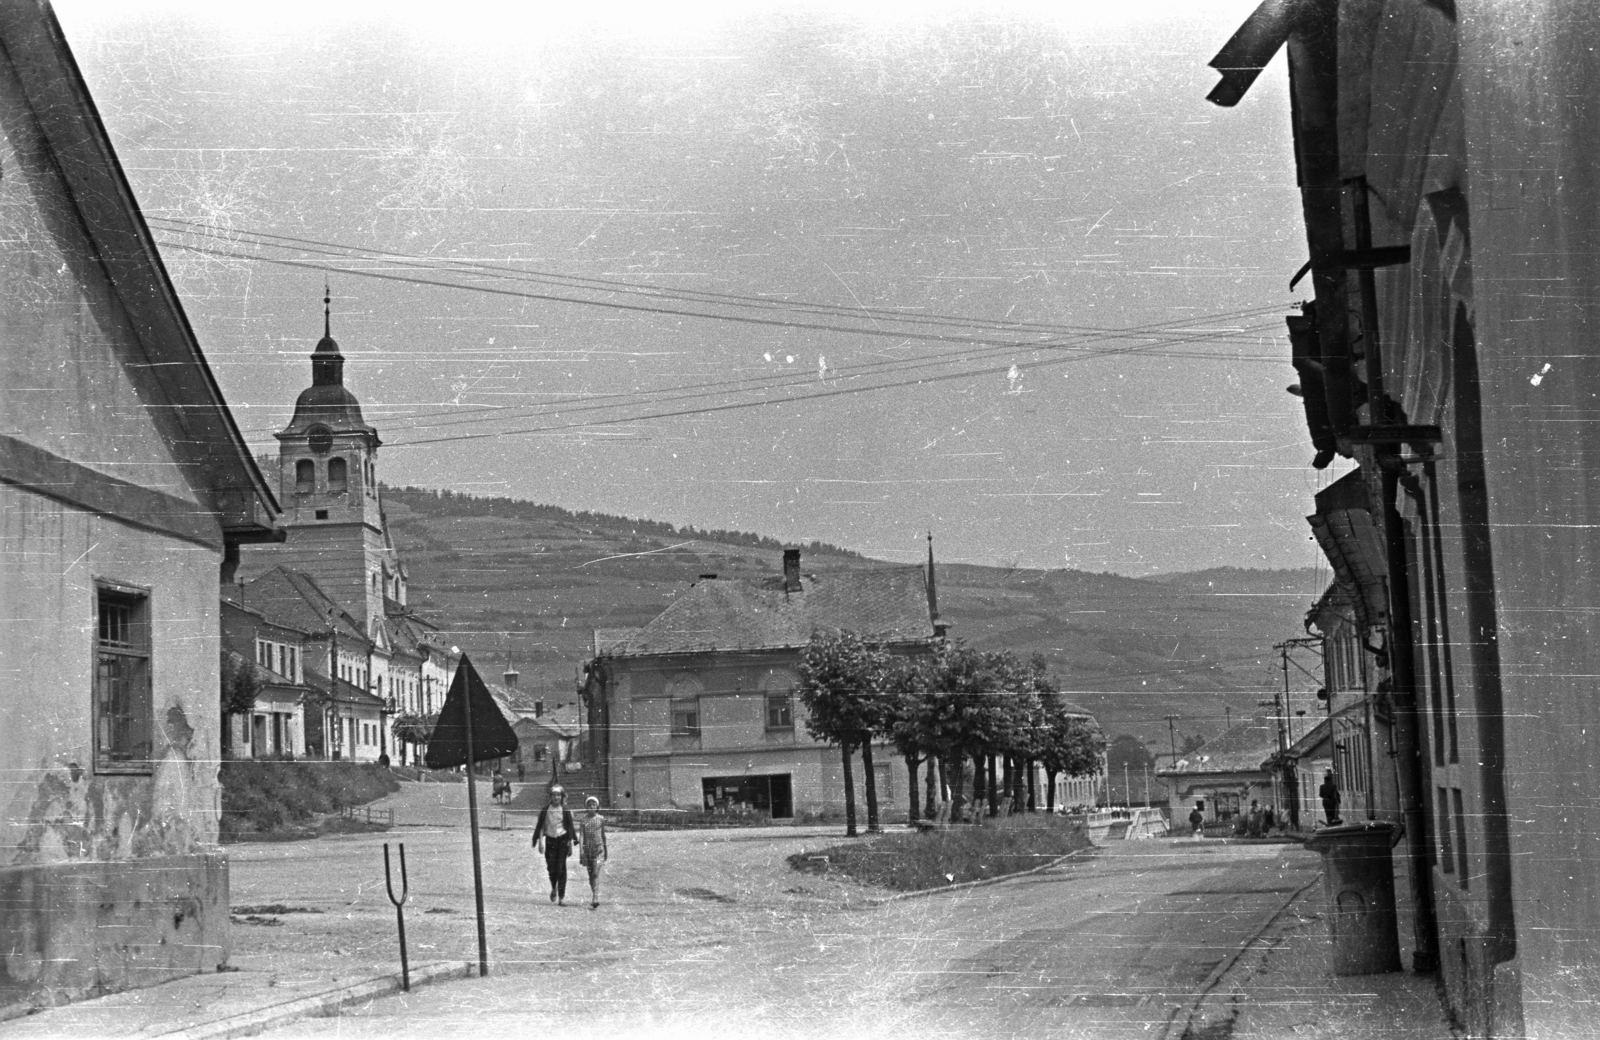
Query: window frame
784, 700
136, 648
681, 707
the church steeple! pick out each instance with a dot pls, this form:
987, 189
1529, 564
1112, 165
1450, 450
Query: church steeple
327, 364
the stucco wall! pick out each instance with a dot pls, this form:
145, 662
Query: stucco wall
53, 807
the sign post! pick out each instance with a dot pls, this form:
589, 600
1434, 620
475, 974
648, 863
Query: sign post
471, 729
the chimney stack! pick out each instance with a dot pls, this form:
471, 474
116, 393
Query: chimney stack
791, 570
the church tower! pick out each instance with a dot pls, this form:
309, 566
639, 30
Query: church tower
328, 485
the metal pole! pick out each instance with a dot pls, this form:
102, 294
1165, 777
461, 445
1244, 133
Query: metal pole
399, 912
1127, 789
472, 812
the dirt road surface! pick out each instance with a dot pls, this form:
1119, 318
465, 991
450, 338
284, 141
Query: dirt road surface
709, 933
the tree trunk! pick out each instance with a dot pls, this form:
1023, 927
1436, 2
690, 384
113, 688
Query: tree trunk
991, 790
872, 785
1020, 804
916, 795
1008, 781
956, 780
849, 795
930, 797
1050, 791
978, 798
1033, 786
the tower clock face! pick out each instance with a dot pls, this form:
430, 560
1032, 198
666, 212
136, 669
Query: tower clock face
321, 439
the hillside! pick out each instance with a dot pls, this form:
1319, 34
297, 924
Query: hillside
532, 581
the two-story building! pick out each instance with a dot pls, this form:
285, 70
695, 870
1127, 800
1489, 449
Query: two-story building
125, 492
697, 709
276, 654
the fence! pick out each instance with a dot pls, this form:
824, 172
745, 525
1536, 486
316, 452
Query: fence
369, 814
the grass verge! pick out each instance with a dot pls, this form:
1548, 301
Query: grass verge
914, 861
263, 799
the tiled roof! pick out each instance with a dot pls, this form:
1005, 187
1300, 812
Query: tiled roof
344, 692
295, 600
1242, 749
887, 605
562, 719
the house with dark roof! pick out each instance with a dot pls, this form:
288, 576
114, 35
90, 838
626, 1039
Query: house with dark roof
697, 709
1226, 774
126, 491
339, 662
275, 654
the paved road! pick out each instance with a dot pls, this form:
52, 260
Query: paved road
710, 932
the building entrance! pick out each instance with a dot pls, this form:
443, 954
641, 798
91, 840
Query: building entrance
771, 794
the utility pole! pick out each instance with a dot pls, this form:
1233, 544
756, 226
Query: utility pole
1172, 734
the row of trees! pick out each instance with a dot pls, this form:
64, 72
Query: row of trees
962, 706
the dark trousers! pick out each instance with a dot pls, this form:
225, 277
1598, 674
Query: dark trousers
1330, 809
555, 861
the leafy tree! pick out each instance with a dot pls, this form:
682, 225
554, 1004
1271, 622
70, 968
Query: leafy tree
1072, 745
844, 680
239, 688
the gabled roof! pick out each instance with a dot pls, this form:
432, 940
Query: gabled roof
167, 360
343, 692
1243, 749
885, 605
294, 599
264, 675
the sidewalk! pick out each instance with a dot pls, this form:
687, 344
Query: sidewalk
1283, 985
255, 997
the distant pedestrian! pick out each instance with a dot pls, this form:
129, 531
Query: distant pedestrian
1255, 819
1197, 820
553, 835
522, 771
593, 852
1329, 793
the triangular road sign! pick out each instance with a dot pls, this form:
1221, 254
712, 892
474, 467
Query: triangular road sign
492, 736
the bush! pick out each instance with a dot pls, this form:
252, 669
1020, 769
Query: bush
265, 796
910, 862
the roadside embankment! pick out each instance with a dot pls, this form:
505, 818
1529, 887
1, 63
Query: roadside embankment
268, 800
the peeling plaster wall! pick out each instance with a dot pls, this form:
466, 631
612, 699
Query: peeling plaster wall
74, 919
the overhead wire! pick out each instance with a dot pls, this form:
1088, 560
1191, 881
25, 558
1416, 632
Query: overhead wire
978, 348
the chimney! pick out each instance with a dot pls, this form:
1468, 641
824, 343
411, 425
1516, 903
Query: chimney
791, 570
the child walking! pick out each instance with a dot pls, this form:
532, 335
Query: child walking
592, 849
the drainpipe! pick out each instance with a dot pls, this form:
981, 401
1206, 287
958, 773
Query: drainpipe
1407, 728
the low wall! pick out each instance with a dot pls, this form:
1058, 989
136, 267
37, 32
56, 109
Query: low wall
83, 929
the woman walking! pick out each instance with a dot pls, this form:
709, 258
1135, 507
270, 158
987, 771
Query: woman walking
553, 835
593, 854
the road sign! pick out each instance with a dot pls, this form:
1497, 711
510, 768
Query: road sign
491, 735
470, 729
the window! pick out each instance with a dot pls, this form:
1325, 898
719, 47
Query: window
122, 701
322, 514
686, 718
780, 711
305, 477
338, 474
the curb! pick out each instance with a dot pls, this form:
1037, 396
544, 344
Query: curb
980, 883
1221, 970
318, 1005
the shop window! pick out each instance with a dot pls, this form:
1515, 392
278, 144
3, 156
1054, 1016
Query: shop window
686, 718
122, 699
780, 711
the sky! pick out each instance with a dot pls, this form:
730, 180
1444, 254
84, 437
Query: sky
848, 272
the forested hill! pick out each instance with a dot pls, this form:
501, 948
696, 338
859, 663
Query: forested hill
533, 581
